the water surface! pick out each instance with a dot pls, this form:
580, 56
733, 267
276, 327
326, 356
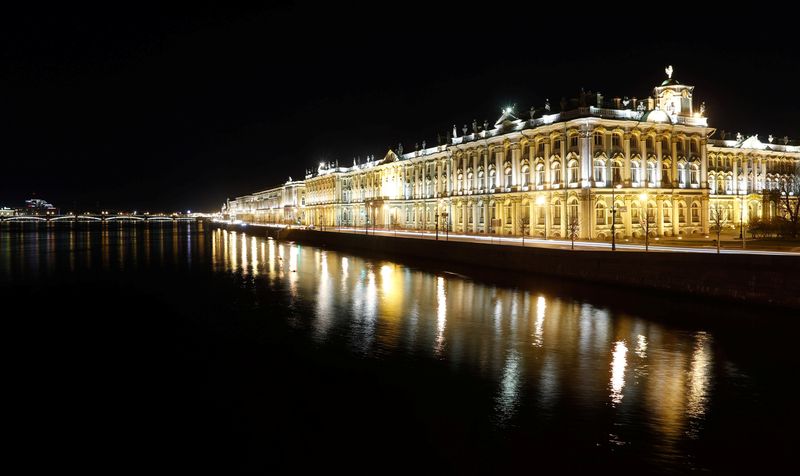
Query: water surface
184, 348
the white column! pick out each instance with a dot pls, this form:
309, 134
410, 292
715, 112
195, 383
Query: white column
703, 164
658, 162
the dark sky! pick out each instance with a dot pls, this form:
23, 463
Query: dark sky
175, 108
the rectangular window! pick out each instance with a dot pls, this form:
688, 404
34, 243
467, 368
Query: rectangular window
573, 141
615, 140
598, 139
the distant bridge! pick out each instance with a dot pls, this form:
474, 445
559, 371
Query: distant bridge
87, 218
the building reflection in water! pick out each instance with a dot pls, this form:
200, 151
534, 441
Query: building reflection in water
531, 345
699, 382
441, 315
619, 362
538, 327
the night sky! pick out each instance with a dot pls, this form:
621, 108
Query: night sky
174, 109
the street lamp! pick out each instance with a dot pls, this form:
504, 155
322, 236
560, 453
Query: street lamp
614, 217
643, 216
540, 202
436, 216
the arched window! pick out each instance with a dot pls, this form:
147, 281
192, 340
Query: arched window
555, 170
681, 212
616, 172
481, 183
651, 172
508, 176
492, 179
470, 178
600, 213
557, 213
666, 210
694, 174
666, 176
682, 175
572, 172
695, 212
599, 170
572, 209
636, 212
617, 213
460, 183
526, 176
651, 212
636, 172
539, 174
507, 213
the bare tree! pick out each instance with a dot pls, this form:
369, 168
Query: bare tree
573, 227
717, 218
524, 225
789, 201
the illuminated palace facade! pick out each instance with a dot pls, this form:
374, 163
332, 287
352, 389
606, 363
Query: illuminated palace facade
651, 159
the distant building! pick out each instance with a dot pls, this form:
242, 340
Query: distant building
648, 165
6, 212
38, 208
279, 205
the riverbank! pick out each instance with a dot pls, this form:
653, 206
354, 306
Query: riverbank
756, 279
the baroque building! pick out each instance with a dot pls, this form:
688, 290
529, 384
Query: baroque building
646, 164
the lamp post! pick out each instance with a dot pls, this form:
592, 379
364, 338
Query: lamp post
741, 218
539, 203
614, 217
643, 216
436, 216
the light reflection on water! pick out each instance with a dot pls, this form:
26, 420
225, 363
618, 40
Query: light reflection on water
538, 349
646, 375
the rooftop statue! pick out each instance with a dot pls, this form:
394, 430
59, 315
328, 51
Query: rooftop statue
669, 71
547, 105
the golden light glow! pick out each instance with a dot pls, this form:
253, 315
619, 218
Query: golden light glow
618, 363
699, 376
441, 314
641, 346
538, 327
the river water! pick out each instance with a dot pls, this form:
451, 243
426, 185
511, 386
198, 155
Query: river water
184, 348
